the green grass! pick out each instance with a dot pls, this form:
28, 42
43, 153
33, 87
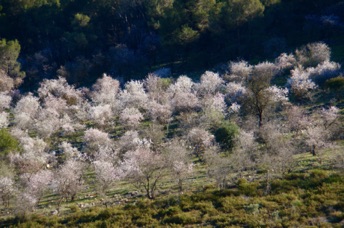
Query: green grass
311, 195
312, 198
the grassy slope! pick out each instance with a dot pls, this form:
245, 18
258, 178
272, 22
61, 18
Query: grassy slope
311, 195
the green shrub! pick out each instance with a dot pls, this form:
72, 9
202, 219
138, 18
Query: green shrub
246, 188
252, 208
74, 208
336, 84
226, 134
170, 211
231, 204
184, 218
7, 142
144, 220
206, 207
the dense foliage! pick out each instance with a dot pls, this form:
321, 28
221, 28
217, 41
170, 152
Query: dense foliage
81, 39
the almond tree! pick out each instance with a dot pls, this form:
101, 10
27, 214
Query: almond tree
213, 110
179, 162
297, 119
4, 122
182, 96
97, 142
7, 190
285, 61
69, 152
106, 174
218, 167
105, 91
130, 141
156, 88
200, 140
161, 113
6, 82
312, 54
101, 114
47, 123
131, 117
210, 83
319, 128
300, 83
68, 180
329, 116
26, 111
279, 144
33, 158
61, 89
235, 92
133, 96
260, 95
5, 101
239, 72
144, 168
38, 183
316, 137
25, 203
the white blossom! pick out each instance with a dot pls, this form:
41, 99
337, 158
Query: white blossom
69, 150
68, 179
6, 82
48, 122
323, 71
97, 143
145, 168
131, 141
314, 53
105, 91
265, 69
7, 190
5, 101
25, 203
184, 101
131, 117
106, 174
300, 82
215, 103
55, 103
39, 182
285, 61
25, 111
133, 96
101, 114
60, 88
239, 71
183, 85
3, 120
329, 116
234, 108
159, 112
200, 139
210, 83
278, 94
235, 91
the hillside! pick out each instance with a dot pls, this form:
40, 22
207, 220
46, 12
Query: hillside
263, 130
171, 113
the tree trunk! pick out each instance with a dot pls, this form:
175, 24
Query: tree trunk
180, 186
260, 118
268, 186
313, 150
